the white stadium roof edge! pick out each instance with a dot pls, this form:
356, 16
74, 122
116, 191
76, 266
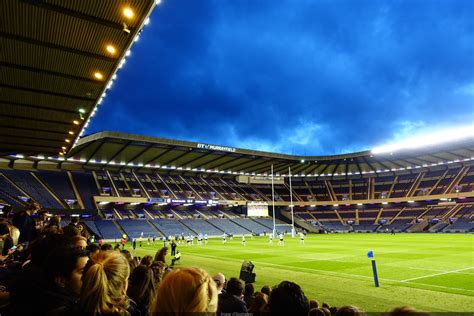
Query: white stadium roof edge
120, 152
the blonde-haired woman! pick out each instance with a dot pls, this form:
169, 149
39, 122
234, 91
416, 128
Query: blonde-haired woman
186, 290
104, 287
104, 284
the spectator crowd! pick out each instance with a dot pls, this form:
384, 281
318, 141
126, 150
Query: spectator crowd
51, 269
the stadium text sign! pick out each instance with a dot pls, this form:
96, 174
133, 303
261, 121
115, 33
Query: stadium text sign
216, 147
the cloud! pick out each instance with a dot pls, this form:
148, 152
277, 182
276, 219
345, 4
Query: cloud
302, 77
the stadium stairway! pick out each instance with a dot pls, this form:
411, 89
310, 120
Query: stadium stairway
419, 227
436, 228
228, 226
171, 227
250, 225
201, 226
136, 228
108, 229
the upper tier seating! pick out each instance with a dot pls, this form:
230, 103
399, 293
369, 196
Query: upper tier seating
87, 188
59, 183
34, 188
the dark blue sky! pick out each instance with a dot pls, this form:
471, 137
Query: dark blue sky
300, 76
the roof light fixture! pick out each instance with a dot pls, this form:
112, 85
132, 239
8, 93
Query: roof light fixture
128, 12
67, 140
111, 49
98, 75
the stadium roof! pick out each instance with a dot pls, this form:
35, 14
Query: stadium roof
117, 151
57, 59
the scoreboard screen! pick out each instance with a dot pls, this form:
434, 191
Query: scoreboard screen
254, 209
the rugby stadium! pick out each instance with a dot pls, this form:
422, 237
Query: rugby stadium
411, 207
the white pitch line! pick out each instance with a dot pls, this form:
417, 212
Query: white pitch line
338, 274
436, 274
437, 270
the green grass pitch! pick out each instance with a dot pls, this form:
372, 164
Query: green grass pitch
431, 272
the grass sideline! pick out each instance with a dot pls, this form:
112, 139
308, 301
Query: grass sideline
431, 272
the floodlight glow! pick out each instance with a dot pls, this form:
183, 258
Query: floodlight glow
98, 75
128, 12
111, 49
426, 140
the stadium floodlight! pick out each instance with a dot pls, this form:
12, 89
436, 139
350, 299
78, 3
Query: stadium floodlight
312, 205
147, 21
302, 160
157, 2
103, 203
384, 203
411, 201
432, 139
335, 205
359, 204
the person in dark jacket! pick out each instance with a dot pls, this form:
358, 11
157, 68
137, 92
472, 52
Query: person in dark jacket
231, 301
249, 294
288, 299
25, 222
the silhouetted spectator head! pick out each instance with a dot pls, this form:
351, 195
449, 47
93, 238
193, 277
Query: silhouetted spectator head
141, 285
266, 290
71, 231
65, 267
74, 220
259, 303
104, 284
161, 254
235, 287
316, 312
406, 311
288, 299
4, 230
349, 310
32, 208
326, 311
55, 220
42, 215
92, 249
147, 260
186, 290
159, 270
313, 304
43, 247
106, 247
249, 290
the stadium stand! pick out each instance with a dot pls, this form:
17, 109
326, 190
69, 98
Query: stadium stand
108, 229
28, 183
